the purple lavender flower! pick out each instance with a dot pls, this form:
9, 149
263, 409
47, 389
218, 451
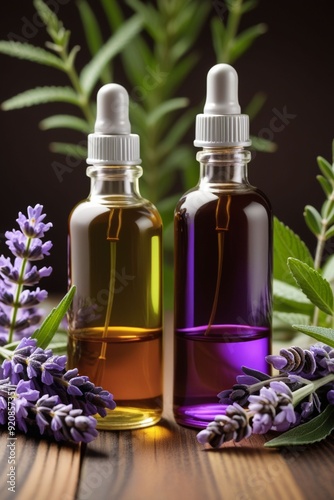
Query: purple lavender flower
250, 382
63, 422
48, 375
310, 407
324, 359
233, 426
5, 388
17, 243
11, 273
272, 408
309, 363
24, 396
58, 402
33, 227
330, 396
27, 246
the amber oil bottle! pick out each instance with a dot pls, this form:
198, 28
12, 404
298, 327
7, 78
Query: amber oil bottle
115, 255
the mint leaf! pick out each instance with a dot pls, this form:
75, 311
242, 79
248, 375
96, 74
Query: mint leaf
325, 335
50, 325
315, 287
290, 299
313, 431
291, 318
287, 244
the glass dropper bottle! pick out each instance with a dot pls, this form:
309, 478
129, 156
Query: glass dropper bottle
115, 256
223, 261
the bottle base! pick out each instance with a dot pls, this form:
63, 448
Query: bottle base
198, 416
127, 418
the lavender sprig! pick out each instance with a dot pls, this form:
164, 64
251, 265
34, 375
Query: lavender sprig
59, 401
259, 403
36, 389
18, 313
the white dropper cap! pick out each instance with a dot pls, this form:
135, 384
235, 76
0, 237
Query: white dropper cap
112, 142
221, 124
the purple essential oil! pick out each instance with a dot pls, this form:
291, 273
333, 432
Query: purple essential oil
223, 263
208, 358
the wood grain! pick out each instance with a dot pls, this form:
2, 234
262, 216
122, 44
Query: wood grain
164, 462
44, 469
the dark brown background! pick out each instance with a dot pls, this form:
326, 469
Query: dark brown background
292, 63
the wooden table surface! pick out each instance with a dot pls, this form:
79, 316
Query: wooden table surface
166, 462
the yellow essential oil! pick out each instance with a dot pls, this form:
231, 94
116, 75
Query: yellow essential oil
115, 255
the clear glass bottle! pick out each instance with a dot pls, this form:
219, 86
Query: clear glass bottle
115, 255
223, 267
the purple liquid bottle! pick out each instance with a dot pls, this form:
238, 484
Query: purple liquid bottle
223, 262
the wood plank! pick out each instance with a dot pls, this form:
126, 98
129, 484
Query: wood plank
43, 469
165, 461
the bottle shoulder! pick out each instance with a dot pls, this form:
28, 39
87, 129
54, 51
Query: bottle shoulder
87, 211
195, 198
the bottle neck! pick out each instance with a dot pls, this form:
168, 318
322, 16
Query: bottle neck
115, 184
223, 168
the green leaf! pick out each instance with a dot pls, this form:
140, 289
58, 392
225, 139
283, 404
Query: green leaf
324, 335
138, 62
288, 299
313, 431
41, 95
31, 53
326, 168
92, 71
247, 6
327, 211
328, 269
325, 184
287, 244
263, 145
176, 133
166, 107
244, 41
218, 34
329, 233
65, 121
50, 325
64, 148
175, 77
176, 160
91, 26
113, 13
92, 34
313, 219
48, 17
151, 18
291, 318
255, 105
53, 25
315, 287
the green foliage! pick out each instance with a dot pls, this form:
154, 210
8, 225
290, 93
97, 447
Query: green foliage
296, 271
230, 44
313, 431
41, 95
155, 46
50, 325
313, 285
287, 244
325, 335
